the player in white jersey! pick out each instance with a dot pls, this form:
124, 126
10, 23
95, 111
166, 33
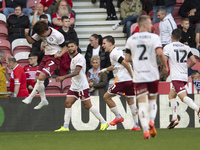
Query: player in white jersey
141, 49
78, 89
124, 83
177, 54
54, 48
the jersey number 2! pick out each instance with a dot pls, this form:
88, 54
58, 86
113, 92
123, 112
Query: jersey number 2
142, 46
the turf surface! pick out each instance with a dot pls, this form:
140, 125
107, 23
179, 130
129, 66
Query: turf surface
179, 139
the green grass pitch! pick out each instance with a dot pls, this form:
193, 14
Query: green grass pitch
179, 139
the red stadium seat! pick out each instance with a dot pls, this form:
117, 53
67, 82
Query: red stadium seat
144, 12
66, 85
179, 1
133, 26
175, 14
31, 4
3, 32
20, 45
22, 58
151, 14
5, 46
3, 19
156, 27
53, 87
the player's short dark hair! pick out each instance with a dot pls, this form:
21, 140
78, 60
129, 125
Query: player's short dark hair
12, 59
18, 6
71, 42
64, 17
43, 16
110, 39
40, 27
176, 34
33, 54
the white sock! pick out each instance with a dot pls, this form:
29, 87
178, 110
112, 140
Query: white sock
41, 91
97, 114
116, 112
142, 116
134, 112
190, 103
67, 116
35, 90
174, 108
152, 109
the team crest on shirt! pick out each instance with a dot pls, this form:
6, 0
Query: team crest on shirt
51, 39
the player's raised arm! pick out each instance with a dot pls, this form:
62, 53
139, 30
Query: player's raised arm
28, 38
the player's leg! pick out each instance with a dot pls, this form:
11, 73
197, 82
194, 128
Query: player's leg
134, 111
111, 104
68, 111
88, 105
190, 102
172, 98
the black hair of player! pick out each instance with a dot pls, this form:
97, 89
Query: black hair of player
40, 27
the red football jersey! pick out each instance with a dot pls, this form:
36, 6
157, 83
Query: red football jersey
30, 72
18, 77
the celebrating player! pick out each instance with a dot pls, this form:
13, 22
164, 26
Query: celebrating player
54, 48
141, 49
78, 89
124, 84
177, 54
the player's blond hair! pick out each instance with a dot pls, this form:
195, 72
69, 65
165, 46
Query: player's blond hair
95, 57
142, 19
195, 74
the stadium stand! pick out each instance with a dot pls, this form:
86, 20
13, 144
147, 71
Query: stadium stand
20, 45
22, 58
175, 14
65, 85
2, 19
156, 27
31, 4
3, 32
151, 14
53, 86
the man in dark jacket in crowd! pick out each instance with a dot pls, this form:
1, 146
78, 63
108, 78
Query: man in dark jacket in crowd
10, 5
191, 10
16, 24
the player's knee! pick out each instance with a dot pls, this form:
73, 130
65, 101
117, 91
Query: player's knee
68, 105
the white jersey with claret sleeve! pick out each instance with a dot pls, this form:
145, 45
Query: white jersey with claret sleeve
143, 47
79, 82
119, 70
51, 42
177, 54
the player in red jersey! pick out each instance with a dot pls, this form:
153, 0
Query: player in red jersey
17, 82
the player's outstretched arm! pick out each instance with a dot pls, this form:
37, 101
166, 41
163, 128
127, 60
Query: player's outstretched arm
110, 68
193, 61
64, 50
163, 59
72, 74
28, 38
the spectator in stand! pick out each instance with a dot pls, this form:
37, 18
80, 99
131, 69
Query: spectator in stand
10, 5
3, 87
16, 23
168, 5
37, 46
97, 84
68, 32
95, 48
39, 10
196, 80
47, 3
197, 36
51, 9
166, 26
17, 82
111, 13
2, 5
188, 34
31, 70
65, 64
102, 3
191, 10
130, 10
147, 5
62, 10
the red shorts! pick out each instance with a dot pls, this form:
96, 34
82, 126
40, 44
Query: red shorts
119, 88
147, 87
48, 65
83, 95
179, 86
